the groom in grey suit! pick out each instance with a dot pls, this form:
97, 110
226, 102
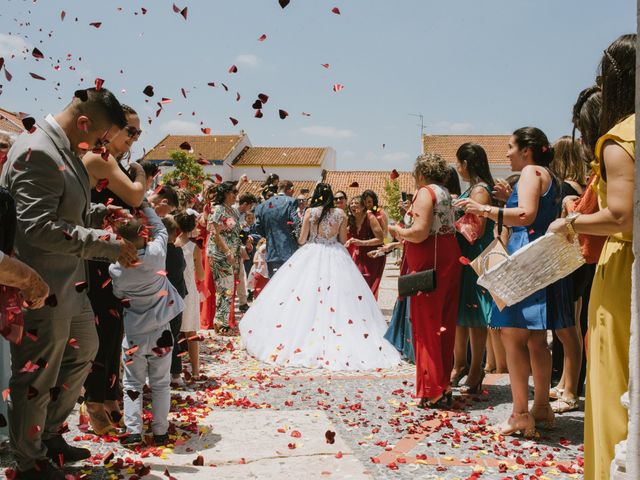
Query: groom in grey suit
55, 235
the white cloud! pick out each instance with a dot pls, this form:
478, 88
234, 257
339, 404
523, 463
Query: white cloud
248, 60
12, 45
328, 132
179, 127
395, 157
451, 127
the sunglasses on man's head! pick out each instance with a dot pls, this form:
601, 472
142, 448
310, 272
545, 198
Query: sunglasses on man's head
133, 131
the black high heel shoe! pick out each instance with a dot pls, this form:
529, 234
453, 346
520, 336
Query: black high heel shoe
445, 400
455, 381
476, 389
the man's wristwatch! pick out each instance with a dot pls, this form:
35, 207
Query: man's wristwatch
569, 220
486, 210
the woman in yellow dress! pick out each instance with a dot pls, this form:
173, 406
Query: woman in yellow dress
605, 422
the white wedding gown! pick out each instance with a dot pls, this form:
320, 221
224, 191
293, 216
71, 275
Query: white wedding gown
317, 310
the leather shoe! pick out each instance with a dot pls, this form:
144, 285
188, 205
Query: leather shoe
44, 470
57, 446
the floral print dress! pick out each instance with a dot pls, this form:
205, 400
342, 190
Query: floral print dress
227, 222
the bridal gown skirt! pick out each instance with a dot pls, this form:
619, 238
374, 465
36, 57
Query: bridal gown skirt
318, 311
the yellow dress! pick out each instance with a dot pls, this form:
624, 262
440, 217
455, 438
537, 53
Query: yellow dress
605, 419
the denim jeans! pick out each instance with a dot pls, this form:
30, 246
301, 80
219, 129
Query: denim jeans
138, 366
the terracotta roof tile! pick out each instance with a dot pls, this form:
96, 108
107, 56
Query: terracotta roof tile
255, 187
10, 122
209, 147
340, 180
447, 145
367, 180
281, 157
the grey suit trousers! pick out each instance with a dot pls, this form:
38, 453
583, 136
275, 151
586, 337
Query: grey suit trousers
42, 400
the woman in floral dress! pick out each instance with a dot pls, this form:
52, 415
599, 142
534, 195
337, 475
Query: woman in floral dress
223, 251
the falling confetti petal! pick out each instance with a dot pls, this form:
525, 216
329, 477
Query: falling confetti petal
283, 114
37, 53
96, 24
283, 3
335, 10
148, 91
262, 37
233, 69
233, 121
394, 174
36, 76
337, 87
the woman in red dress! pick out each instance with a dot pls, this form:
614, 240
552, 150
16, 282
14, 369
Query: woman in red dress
430, 242
208, 305
365, 234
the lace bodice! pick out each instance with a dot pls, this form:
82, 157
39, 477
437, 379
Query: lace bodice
327, 230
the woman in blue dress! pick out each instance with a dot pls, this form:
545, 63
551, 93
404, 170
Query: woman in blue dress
531, 207
399, 331
476, 304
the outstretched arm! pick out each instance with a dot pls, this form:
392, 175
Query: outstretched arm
343, 231
304, 232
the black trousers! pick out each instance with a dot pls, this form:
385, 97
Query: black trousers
103, 381
176, 361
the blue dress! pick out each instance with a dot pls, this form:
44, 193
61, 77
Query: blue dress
549, 308
399, 331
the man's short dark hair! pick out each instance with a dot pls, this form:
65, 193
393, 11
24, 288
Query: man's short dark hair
169, 194
99, 105
150, 168
247, 198
285, 185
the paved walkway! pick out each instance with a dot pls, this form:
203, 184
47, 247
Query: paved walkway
269, 423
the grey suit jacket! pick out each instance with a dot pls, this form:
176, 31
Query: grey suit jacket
51, 189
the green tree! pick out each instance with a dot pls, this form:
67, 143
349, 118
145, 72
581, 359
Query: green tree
392, 196
188, 173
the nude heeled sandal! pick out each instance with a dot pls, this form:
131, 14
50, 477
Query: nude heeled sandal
543, 414
522, 423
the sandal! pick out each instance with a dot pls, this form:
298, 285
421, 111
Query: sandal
523, 423
564, 404
476, 389
455, 380
543, 414
555, 393
444, 400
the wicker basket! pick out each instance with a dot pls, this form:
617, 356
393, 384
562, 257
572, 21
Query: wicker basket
533, 267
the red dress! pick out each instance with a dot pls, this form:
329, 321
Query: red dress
371, 268
208, 305
433, 315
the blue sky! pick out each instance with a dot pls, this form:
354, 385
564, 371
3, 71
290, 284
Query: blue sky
468, 66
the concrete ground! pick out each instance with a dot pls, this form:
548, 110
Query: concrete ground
263, 422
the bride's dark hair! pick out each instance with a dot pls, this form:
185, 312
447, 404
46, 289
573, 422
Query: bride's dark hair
322, 197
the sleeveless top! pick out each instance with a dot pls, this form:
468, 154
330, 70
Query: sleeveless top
623, 134
443, 213
327, 230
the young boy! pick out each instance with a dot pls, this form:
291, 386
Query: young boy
151, 302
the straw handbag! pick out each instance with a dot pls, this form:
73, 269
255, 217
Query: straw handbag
532, 268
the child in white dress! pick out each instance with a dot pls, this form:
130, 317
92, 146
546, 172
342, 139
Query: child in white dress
194, 270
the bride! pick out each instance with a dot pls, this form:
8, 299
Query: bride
317, 310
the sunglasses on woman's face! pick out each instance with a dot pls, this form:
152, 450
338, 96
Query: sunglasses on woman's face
133, 131
340, 199
4, 146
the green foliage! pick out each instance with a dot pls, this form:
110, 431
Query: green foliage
392, 196
188, 173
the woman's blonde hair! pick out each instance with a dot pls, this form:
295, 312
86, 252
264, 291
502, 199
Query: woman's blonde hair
569, 160
431, 166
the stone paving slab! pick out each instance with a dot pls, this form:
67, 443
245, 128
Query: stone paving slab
380, 432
